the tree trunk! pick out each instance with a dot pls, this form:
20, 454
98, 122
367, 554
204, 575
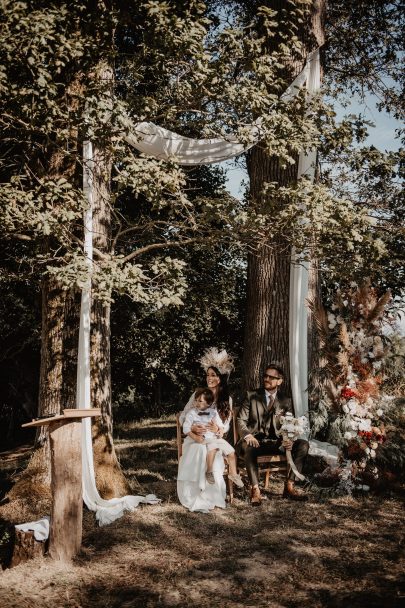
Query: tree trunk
266, 329
314, 288
267, 316
57, 389
109, 477
59, 345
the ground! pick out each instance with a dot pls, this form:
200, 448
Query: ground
339, 552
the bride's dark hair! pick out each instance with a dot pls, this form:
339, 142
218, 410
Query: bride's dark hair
222, 400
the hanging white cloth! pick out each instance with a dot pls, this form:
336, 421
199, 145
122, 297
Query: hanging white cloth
106, 510
161, 143
298, 318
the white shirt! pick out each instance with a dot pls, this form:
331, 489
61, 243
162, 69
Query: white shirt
209, 415
270, 396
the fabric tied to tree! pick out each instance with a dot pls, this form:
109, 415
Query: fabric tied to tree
299, 274
161, 143
106, 510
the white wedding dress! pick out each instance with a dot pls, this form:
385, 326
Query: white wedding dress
192, 489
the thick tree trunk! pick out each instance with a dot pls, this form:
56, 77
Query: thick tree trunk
314, 288
109, 477
59, 345
267, 316
266, 329
57, 390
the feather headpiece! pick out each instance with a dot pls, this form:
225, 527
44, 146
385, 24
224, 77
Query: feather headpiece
219, 359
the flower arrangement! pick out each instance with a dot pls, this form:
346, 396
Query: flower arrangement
354, 349
291, 428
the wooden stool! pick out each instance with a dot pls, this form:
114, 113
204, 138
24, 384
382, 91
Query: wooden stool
66, 480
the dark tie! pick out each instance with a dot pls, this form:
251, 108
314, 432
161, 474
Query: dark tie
203, 413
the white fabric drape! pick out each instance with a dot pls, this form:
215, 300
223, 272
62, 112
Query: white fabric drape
106, 510
161, 143
298, 318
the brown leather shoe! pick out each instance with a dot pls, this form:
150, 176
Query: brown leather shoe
291, 492
255, 497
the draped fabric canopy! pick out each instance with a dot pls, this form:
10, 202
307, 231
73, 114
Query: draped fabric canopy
163, 144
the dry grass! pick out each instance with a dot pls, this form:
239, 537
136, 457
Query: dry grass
341, 553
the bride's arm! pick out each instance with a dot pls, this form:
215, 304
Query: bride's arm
227, 423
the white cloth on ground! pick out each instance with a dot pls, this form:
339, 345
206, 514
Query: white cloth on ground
39, 527
327, 451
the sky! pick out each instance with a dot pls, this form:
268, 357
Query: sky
382, 136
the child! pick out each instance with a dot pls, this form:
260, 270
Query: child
202, 413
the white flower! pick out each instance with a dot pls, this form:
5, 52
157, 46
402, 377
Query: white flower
374, 445
348, 435
332, 320
345, 409
372, 453
379, 412
353, 284
352, 405
365, 425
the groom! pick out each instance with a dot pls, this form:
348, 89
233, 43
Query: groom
256, 422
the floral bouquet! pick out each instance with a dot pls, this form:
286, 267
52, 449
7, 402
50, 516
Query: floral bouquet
291, 428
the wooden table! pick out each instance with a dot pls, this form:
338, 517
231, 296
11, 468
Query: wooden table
66, 480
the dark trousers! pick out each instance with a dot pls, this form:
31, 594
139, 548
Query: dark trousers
249, 454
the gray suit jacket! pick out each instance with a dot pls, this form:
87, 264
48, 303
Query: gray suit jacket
254, 410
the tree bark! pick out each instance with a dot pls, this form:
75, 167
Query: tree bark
109, 477
314, 284
267, 313
266, 329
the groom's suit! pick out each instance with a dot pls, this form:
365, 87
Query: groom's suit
257, 418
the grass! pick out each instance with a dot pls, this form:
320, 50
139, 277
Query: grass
340, 552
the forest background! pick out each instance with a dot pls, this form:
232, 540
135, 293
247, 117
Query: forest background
173, 246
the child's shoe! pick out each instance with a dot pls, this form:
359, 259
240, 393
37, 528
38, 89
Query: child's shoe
236, 479
209, 476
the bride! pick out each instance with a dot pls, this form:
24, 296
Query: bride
193, 491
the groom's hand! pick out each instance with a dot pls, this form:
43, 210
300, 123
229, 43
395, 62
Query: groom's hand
252, 441
287, 444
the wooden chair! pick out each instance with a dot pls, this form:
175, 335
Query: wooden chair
179, 439
272, 463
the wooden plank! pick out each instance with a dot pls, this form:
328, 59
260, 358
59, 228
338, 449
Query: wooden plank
75, 413
66, 484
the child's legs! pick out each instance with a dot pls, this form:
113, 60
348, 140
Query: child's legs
231, 458
211, 457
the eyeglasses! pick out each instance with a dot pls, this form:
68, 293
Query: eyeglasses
271, 377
